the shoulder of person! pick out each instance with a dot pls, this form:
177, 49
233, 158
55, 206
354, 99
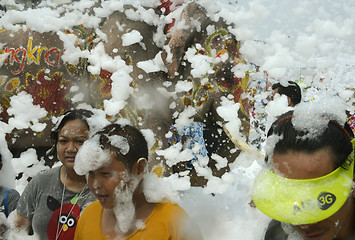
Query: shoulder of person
2, 190
2, 193
9, 192
46, 174
92, 208
43, 178
169, 205
171, 208
14, 194
171, 212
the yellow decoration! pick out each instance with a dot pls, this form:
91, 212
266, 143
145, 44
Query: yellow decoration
158, 170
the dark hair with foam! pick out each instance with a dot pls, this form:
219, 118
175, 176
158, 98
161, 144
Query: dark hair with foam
138, 147
337, 137
80, 114
292, 90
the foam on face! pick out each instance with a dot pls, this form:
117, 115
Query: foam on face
91, 157
124, 209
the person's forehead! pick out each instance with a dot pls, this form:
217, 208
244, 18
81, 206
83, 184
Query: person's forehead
76, 126
113, 165
303, 165
117, 163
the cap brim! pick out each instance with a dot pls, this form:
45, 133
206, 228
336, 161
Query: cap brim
305, 201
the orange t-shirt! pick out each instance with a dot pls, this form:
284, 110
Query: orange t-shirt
167, 221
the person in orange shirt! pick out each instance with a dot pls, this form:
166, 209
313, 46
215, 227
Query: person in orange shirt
115, 160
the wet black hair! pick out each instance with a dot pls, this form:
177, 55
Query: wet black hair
292, 90
81, 114
337, 137
138, 147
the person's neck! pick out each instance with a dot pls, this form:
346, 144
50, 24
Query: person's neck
143, 207
349, 225
71, 180
353, 218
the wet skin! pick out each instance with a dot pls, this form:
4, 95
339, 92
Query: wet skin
301, 165
104, 181
70, 139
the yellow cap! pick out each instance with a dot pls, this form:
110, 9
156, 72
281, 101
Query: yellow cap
303, 201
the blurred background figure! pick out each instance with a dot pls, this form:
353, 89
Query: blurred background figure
292, 90
8, 202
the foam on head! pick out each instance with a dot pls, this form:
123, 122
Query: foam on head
91, 156
314, 117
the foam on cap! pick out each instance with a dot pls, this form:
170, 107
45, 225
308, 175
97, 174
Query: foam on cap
314, 117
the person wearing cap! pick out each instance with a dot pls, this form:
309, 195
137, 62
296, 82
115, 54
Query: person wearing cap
307, 187
292, 90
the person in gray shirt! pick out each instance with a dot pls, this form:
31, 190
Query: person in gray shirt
51, 203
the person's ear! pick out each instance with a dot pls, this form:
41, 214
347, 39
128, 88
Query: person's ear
289, 101
139, 168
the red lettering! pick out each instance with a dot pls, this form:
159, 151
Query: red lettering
56, 58
22, 59
12, 50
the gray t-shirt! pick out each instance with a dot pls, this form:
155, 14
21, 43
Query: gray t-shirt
42, 200
12, 199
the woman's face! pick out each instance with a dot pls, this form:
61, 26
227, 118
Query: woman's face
70, 138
